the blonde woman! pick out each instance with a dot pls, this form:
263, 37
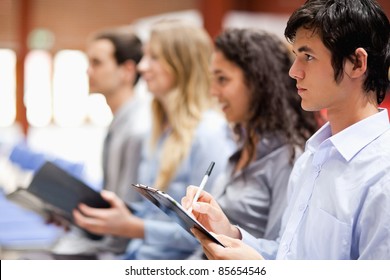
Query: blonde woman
186, 136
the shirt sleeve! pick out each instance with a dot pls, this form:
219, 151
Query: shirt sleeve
267, 248
168, 235
372, 239
209, 146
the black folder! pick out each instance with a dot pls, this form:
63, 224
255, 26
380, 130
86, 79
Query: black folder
55, 192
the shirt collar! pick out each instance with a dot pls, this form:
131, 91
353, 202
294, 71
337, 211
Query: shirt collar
320, 136
351, 140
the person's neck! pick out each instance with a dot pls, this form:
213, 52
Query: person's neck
166, 99
355, 111
118, 98
166, 102
245, 156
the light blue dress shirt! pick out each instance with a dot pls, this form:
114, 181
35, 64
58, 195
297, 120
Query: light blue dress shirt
339, 206
165, 239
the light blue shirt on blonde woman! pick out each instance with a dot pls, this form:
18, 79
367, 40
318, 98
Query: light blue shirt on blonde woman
339, 205
164, 238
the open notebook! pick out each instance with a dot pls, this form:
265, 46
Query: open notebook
54, 192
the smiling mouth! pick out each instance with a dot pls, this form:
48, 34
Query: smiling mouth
301, 90
223, 106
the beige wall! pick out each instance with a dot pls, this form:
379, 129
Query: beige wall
72, 21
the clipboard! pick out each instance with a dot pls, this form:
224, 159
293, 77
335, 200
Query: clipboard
173, 209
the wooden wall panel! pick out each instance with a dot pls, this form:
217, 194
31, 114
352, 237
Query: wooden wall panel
73, 20
9, 23
288, 6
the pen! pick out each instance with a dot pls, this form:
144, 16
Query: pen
202, 184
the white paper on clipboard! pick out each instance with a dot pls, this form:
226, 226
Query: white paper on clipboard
173, 209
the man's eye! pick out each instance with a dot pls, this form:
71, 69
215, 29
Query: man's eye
95, 63
309, 57
154, 56
221, 80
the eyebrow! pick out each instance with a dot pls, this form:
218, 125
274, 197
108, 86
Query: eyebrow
305, 49
217, 71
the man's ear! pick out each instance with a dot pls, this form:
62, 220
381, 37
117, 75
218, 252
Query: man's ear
358, 66
130, 69
388, 73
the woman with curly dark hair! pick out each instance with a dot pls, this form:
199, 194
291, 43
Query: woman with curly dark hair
251, 82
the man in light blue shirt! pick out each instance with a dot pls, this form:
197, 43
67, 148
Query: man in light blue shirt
339, 190
340, 203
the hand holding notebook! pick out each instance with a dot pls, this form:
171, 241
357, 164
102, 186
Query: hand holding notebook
54, 193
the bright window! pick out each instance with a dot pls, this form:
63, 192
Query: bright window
70, 88
37, 93
98, 111
7, 87
55, 91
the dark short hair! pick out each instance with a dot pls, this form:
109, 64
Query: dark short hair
275, 107
344, 26
127, 45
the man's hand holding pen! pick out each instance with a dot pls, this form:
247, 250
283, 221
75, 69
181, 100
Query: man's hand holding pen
207, 211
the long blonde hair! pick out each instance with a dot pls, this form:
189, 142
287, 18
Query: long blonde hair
186, 51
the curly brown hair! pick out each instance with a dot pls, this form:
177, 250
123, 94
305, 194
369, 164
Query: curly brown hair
275, 105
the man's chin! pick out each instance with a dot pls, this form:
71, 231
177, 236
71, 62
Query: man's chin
308, 108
